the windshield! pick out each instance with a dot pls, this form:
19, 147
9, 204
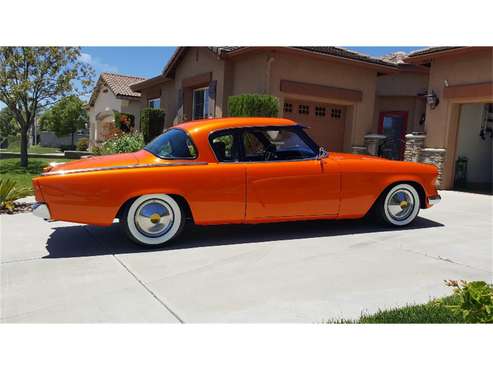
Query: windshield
173, 144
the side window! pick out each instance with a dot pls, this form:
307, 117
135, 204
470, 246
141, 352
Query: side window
254, 149
276, 144
223, 147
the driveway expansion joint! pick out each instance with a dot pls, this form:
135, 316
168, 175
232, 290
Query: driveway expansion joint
154, 295
444, 259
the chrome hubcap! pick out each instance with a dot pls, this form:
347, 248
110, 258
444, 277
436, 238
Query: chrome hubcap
400, 204
154, 218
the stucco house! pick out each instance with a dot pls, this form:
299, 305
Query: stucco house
330, 89
111, 94
351, 102
460, 126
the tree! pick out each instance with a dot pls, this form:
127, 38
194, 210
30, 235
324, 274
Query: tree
7, 123
65, 117
34, 78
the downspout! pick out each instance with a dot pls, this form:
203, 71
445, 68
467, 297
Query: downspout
268, 73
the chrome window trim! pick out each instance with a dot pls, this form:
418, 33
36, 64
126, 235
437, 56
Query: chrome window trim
262, 127
176, 158
128, 167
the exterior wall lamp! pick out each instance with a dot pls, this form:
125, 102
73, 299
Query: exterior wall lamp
432, 99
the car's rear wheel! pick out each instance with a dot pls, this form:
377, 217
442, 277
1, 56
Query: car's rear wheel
398, 206
154, 219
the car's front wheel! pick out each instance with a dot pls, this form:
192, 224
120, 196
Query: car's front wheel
154, 219
398, 206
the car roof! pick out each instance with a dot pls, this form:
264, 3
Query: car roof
209, 125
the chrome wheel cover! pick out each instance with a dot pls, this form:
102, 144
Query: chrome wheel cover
154, 218
400, 204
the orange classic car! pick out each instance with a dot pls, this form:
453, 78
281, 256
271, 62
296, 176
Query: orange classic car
231, 170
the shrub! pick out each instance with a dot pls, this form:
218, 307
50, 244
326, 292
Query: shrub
253, 105
83, 144
151, 123
10, 191
474, 301
125, 122
124, 143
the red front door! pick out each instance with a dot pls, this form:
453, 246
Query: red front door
394, 126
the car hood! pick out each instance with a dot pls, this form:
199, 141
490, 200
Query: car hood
104, 161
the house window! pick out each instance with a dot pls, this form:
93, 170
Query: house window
336, 113
303, 109
320, 111
200, 103
288, 108
153, 103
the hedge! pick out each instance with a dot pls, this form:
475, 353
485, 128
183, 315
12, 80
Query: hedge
151, 123
253, 105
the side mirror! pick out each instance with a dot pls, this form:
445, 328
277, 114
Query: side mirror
322, 153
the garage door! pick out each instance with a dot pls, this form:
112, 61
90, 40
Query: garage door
325, 121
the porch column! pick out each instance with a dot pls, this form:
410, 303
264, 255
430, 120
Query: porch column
372, 142
436, 157
414, 144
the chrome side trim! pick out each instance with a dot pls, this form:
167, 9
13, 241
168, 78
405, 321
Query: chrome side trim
434, 200
129, 167
41, 210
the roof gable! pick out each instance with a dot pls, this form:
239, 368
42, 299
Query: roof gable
118, 84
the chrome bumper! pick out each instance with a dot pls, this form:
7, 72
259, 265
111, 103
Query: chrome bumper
434, 200
41, 210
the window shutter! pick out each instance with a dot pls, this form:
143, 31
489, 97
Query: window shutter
212, 98
179, 100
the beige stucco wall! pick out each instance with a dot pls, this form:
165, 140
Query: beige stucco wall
473, 67
108, 102
441, 125
399, 92
105, 101
250, 74
198, 61
402, 84
359, 116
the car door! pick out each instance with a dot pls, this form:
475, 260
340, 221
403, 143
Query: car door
284, 177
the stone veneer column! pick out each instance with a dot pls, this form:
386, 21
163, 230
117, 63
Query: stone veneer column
372, 142
436, 157
359, 150
414, 144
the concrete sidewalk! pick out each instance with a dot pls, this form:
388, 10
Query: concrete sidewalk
291, 272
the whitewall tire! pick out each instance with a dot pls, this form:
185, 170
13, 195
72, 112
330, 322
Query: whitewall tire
154, 219
399, 206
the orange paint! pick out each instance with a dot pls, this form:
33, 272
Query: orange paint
338, 186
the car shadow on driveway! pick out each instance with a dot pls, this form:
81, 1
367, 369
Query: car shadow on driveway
86, 240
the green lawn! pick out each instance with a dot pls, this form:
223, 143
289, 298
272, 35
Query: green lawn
428, 313
15, 146
11, 169
32, 149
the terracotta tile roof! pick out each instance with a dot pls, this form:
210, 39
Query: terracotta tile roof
118, 84
432, 50
326, 50
344, 53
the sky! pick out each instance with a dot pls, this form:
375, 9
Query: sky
150, 61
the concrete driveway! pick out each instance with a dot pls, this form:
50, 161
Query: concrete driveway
292, 272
